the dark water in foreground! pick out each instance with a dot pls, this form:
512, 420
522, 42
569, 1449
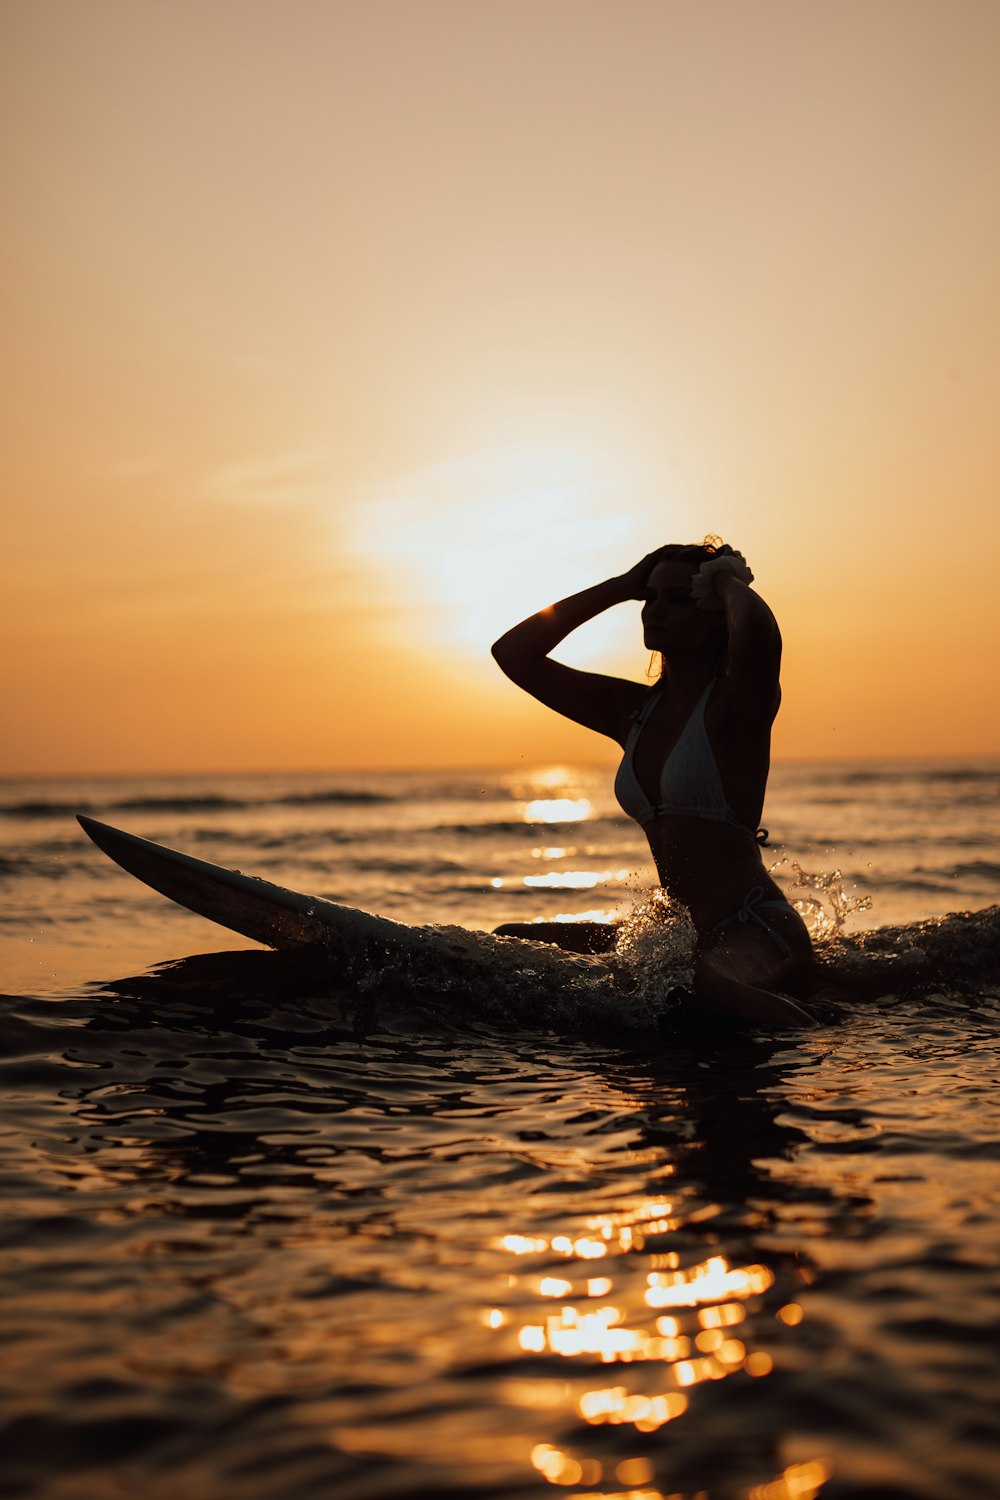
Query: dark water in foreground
264, 1239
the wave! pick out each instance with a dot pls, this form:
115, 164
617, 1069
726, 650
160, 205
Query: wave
955, 951
332, 799
949, 775
462, 979
501, 827
266, 844
919, 881
830, 839
978, 869
210, 802
923, 878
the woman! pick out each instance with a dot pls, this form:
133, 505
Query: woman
697, 753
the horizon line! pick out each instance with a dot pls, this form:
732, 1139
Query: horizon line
911, 758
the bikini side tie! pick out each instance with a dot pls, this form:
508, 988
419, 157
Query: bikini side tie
748, 913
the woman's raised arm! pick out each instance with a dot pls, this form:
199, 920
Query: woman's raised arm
602, 703
753, 658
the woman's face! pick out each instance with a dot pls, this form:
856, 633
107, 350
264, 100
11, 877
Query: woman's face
671, 620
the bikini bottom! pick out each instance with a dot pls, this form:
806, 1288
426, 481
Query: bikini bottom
754, 903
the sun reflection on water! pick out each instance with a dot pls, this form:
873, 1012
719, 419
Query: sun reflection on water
708, 1282
557, 810
572, 880
707, 1289
668, 1331
797, 1482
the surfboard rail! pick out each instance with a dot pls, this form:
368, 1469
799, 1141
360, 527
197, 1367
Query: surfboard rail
255, 908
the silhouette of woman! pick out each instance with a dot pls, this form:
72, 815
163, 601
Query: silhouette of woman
696, 758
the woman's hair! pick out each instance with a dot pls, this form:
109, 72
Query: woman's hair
694, 552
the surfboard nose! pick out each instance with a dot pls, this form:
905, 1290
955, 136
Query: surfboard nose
101, 834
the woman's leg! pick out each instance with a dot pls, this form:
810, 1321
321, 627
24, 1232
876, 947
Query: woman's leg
741, 971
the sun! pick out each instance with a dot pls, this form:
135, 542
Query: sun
474, 546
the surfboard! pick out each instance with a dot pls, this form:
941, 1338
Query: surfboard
361, 942
255, 908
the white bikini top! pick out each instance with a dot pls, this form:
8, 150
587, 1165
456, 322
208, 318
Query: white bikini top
690, 782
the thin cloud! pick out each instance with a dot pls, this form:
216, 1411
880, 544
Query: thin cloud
299, 477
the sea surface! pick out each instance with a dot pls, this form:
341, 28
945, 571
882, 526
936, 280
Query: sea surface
268, 1235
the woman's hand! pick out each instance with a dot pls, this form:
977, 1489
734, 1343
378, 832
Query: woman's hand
635, 581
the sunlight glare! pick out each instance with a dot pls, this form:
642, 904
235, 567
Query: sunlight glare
479, 543
557, 810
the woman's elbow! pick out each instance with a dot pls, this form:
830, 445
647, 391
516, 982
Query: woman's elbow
500, 650
513, 660
506, 657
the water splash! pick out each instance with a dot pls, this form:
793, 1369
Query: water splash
825, 915
655, 951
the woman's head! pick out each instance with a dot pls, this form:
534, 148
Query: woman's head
673, 623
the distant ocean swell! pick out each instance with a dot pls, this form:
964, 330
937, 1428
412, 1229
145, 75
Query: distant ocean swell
181, 804
951, 775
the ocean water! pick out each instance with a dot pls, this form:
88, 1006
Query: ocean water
265, 1235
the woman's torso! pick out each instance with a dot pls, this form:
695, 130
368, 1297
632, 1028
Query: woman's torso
708, 753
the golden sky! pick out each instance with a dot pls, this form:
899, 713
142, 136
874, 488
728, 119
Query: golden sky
340, 334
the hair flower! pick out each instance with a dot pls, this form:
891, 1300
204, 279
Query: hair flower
703, 585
